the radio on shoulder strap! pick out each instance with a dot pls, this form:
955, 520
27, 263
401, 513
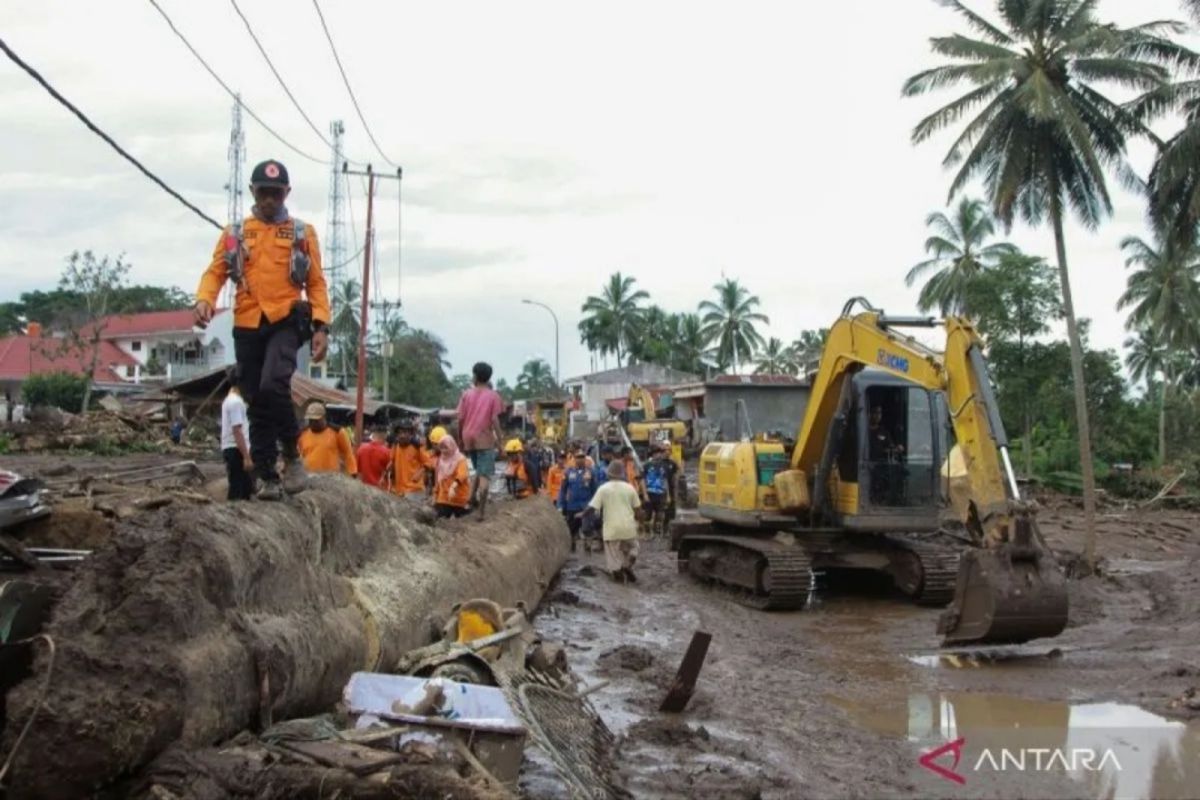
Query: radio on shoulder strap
301, 260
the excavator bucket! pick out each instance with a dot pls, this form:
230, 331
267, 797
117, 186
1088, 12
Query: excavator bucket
1008, 594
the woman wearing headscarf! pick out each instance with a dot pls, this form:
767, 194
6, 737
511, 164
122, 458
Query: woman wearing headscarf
452, 488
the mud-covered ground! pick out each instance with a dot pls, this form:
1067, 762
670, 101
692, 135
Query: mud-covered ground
841, 699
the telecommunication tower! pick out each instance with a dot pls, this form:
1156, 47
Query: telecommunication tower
233, 189
335, 237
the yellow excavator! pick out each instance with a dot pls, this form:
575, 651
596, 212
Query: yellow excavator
866, 487
645, 427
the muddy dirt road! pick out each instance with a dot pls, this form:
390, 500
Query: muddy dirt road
842, 699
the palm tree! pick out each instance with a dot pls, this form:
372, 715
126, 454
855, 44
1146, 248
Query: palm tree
808, 348
776, 359
1163, 298
1174, 184
536, 379
729, 323
344, 325
689, 344
1146, 357
958, 254
612, 316
1044, 133
1164, 292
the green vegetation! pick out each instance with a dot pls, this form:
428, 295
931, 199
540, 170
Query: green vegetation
65, 307
1043, 134
61, 389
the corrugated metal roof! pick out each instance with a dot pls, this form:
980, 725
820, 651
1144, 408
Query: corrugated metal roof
756, 380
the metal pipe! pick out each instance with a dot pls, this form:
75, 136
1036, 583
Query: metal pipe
1008, 470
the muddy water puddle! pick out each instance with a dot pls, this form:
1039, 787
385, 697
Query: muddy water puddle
1107, 750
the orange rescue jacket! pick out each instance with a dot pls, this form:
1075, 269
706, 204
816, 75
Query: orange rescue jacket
554, 479
408, 469
455, 490
323, 451
267, 289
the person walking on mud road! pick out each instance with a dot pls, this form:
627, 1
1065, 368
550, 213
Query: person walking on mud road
282, 301
479, 412
576, 490
235, 446
620, 508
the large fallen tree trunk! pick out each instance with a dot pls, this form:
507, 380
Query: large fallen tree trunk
200, 622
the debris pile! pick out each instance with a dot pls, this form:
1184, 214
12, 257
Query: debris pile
199, 622
99, 431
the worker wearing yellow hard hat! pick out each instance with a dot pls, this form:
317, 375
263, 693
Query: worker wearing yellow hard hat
522, 476
430, 456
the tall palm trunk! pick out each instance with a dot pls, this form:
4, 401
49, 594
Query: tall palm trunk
1162, 417
1081, 409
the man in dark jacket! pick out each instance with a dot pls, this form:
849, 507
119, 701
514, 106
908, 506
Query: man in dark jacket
578, 487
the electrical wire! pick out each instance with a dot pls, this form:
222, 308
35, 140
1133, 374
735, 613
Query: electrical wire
278, 77
230, 92
346, 81
33, 73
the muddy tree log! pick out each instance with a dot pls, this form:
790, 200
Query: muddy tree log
197, 623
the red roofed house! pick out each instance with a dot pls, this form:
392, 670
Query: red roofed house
166, 345
25, 355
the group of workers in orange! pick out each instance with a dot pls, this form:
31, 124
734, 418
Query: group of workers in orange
407, 464
434, 467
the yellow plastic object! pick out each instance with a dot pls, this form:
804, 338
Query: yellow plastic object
437, 434
514, 446
791, 488
472, 625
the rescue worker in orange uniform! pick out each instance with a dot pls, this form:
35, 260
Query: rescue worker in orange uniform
554, 475
452, 480
408, 461
431, 454
282, 301
522, 476
323, 447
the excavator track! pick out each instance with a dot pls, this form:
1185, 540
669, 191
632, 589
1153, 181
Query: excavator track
759, 573
938, 569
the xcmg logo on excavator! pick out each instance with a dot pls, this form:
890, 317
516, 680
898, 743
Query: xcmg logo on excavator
886, 359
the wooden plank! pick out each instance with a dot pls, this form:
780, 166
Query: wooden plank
684, 684
352, 757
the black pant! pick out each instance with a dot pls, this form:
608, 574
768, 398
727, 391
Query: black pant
241, 485
444, 510
574, 523
266, 359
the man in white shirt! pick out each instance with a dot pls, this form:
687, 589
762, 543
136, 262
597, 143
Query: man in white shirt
619, 507
235, 435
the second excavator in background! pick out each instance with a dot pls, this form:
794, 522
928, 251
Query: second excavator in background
895, 435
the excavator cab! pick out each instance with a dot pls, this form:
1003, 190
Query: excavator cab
886, 473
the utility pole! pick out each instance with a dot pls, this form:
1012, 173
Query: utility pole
233, 188
335, 236
385, 308
366, 291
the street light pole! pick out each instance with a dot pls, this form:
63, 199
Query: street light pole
557, 374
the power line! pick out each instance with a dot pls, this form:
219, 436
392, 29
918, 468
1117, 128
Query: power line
346, 81
275, 72
33, 73
231, 93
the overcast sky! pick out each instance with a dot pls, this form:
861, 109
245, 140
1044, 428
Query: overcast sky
544, 145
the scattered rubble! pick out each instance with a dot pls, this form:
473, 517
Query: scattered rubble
198, 622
